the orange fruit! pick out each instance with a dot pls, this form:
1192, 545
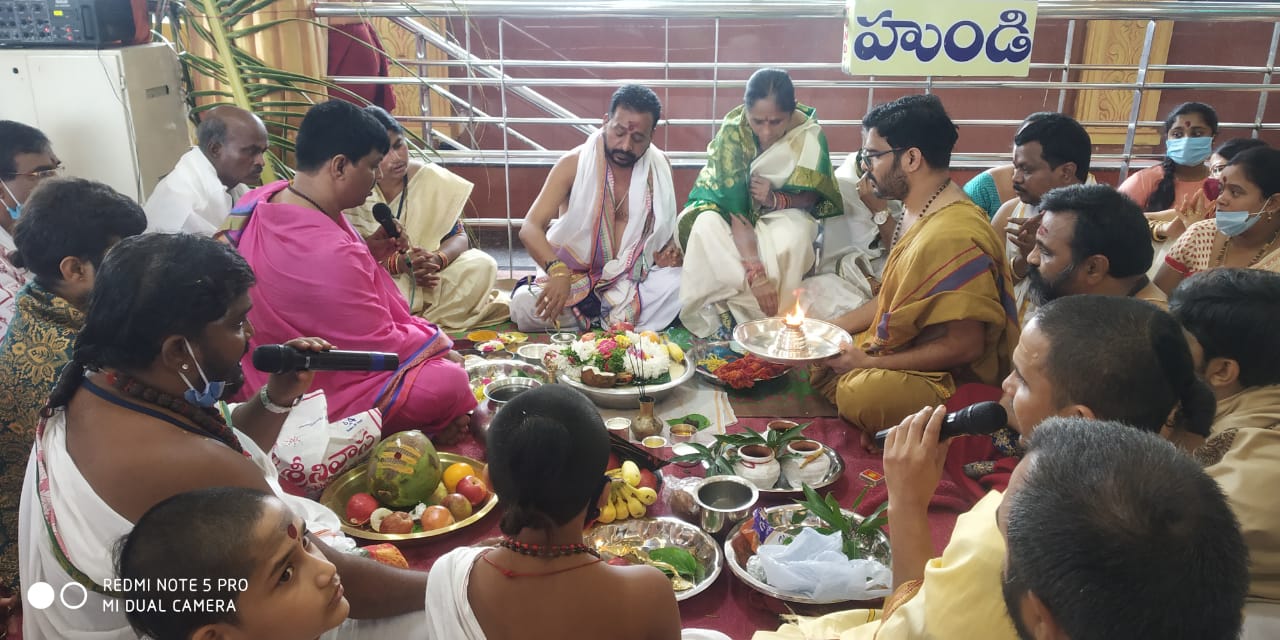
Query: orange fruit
455, 473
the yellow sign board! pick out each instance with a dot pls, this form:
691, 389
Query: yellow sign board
932, 38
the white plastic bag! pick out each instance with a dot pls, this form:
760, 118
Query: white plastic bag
311, 451
813, 566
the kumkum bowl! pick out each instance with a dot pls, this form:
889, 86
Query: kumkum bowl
764, 339
356, 480
654, 533
628, 396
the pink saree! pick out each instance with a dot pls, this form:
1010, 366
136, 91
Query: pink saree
317, 278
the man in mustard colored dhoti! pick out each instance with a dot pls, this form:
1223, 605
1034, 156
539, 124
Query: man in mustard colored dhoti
944, 314
442, 277
610, 257
1100, 357
748, 229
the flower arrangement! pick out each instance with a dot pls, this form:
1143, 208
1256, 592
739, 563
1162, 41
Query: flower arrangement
621, 357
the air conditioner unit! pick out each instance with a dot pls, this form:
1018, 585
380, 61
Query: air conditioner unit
113, 115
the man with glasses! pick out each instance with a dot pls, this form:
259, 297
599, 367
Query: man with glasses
26, 158
944, 314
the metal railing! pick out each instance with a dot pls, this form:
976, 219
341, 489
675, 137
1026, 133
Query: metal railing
478, 71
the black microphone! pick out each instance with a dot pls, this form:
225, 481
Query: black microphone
382, 213
978, 419
279, 358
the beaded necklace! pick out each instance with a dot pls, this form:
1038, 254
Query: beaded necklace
304, 197
897, 230
209, 422
545, 550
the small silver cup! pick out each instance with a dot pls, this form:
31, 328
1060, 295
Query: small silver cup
724, 500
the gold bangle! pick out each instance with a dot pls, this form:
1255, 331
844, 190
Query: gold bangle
1156, 234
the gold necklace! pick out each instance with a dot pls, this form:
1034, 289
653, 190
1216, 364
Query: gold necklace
897, 230
1222, 253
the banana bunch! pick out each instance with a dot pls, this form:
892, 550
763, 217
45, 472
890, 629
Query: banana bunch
627, 499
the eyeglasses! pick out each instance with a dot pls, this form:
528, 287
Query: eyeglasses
41, 174
865, 157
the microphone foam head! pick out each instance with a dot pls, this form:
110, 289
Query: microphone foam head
269, 358
986, 417
381, 212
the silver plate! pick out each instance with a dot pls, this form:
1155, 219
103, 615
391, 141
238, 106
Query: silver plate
823, 340
780, 518
628, 397
652, 533
493, 370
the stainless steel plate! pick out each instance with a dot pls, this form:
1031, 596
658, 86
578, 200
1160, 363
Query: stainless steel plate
780, 517
482, 372
783, 488
653, 533
628, 397
823, 340
725, 350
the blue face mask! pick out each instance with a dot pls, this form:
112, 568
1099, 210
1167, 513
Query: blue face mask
1189, 152
212, 389
16, 209
1234, 223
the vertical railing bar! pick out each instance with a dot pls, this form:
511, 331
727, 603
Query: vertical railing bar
715, 76
666, 75
1131, 131
1066, 64
424, 93
1266, 79
506, 147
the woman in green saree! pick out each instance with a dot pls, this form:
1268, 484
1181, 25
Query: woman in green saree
747, 231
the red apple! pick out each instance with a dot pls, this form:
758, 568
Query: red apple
458, 505
360, 507
398, 522
436, 517
473, 490
647, 479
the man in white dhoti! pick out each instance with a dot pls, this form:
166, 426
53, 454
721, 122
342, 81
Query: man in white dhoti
128, 428
208, 180
1051, 150
611, 256
749, 226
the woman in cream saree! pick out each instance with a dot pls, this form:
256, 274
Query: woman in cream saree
747, 231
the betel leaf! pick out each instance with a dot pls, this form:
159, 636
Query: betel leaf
683, 561
698, 421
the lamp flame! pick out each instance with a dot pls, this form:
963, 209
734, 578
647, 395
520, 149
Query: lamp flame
795, 319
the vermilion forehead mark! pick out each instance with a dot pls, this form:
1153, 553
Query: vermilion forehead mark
1186, 123
292, 531
1041, 232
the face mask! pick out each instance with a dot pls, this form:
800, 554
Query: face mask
1189, 152
1234, 223
212, 389
16, 209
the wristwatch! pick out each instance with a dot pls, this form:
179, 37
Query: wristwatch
880, 217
